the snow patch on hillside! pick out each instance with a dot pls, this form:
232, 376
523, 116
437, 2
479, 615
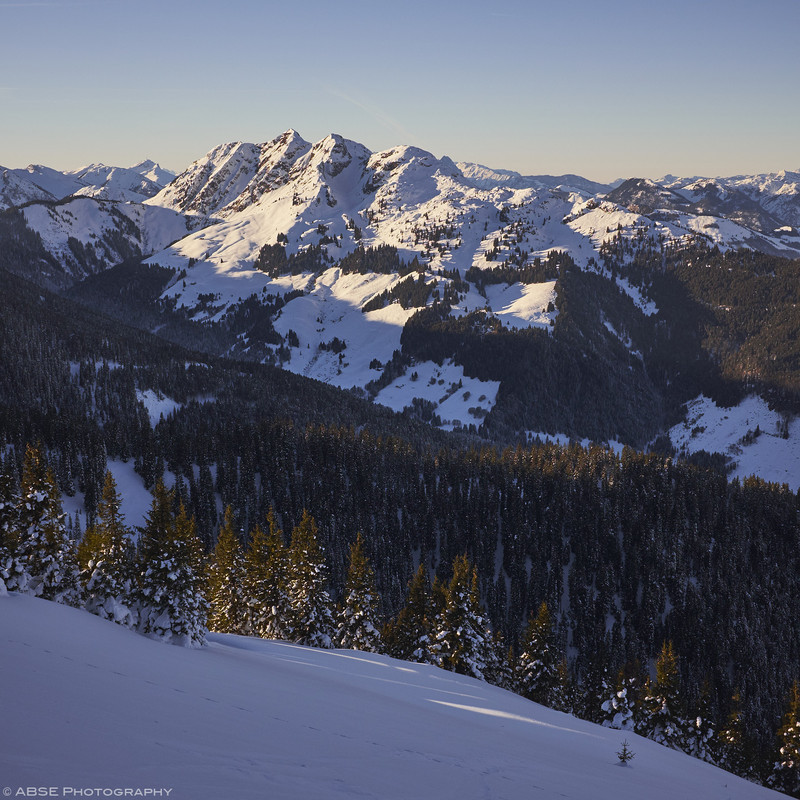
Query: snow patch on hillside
760, 441
332, 310
457, 399
135, 499
157, 405
523, 305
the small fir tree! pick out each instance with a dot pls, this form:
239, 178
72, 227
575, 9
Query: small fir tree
358, 618
227, 606
311, 619
266, 591
625, 754
537, 666
106, 559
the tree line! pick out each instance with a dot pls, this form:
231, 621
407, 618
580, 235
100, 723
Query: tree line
163, 584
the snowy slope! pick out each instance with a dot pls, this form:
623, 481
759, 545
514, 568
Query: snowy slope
109, 231
89, 704
130, 184
337, 195
758, 441
16, 189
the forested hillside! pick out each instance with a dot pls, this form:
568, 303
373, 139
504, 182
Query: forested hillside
629, 552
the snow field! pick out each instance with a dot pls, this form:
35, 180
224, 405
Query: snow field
88, 703
447, 387
732, 431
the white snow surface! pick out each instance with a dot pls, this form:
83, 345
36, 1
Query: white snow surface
16, 189
135, 500
157, 405
523, 305
89, 220
459, 400
132, 184
87, 703
725, 430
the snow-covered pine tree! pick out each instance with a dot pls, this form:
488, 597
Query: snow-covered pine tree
106, 559
266, 592
311, 618
10, 567
702, 737
227, 604
47, 563
731, 739
664, 721
501, 672
409, 635
785, 774
617, 709
173, 603
357, 620
596, 688
565, 696
463, 641
158, 526
537, 666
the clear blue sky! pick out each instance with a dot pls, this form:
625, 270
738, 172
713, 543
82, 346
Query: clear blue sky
604, 89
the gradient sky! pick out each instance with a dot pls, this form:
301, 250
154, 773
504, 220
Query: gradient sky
603, 89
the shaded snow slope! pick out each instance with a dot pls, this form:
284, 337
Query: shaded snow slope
103, 232
89, 704
16, 189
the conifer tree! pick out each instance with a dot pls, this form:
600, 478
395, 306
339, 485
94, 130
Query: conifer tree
106, 559
265, 580
159, 524
664, 720
358, 618
565, 697
702, 737
596, 688
9, 533
311, 619
46, 561
463, 642
409, 636
731, 739
617, 710
785, 774
537, 666
173, 606
227, 605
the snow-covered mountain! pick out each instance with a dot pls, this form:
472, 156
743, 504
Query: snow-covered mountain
90, 704
37, 182
280, 225
86, 234
337, 196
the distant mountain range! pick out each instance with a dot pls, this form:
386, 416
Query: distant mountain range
302, 251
